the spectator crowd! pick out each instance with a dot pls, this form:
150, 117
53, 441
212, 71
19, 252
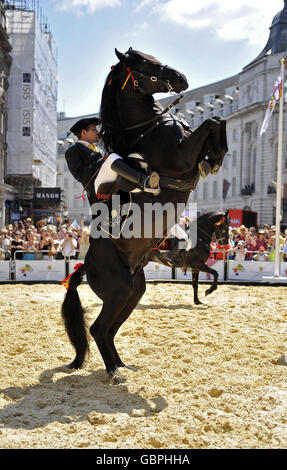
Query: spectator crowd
250, 244
29, 241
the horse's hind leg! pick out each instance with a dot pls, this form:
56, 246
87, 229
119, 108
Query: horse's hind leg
195, 274
100, 329
134, 297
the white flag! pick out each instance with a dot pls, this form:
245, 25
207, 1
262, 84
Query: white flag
276, 95
270, 109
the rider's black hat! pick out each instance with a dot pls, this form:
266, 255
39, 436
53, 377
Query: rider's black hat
83, 124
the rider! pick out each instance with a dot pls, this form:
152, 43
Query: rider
85, 161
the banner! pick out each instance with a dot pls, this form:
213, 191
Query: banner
249, 270
187, 276
44, 270
4, 270
157, 271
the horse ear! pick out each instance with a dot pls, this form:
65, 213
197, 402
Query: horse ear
122, 57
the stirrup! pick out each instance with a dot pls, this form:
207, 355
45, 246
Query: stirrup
151, 184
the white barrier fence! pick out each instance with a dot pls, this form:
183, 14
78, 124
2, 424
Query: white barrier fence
57, 270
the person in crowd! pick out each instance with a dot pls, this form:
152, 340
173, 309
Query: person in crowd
31, 245
272, 248
84, 243
56, 239
261, 240
16, 245
250, 244
236, 239
27, 223
40, 224
5, 242
253, 232
242, 232
261, 255
46, 243
240, 251
68, 246
223, 251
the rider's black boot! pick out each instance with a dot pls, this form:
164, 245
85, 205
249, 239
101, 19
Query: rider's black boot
148, 184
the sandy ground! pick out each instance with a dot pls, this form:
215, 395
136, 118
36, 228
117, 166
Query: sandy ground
208, 376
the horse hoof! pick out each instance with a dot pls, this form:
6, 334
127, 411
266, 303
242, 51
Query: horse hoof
197, 302
209, 291
116, 377
204, 168
133, 368
74, 365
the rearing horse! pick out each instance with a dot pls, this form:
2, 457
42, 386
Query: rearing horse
132, 121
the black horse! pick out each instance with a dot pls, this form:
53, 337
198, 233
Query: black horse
195, 259
133, 122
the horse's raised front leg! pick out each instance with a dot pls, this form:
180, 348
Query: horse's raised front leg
208, 144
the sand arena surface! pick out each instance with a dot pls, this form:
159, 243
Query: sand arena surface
208, 376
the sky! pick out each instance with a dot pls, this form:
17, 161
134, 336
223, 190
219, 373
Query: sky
207, 40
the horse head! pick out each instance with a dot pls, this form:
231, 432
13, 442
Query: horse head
150, 76
221, 227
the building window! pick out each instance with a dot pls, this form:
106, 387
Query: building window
234, 157
205, 191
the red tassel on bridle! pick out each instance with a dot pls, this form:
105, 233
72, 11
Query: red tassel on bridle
130, 74
221, 221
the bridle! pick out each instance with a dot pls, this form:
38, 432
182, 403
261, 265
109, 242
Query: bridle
220, 222
136, 75
133, 74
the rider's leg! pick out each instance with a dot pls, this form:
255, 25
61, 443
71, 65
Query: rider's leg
149, 184
114, 166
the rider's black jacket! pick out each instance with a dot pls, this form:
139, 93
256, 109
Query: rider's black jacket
84, 164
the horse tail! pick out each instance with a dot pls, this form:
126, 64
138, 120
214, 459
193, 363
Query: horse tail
73, 317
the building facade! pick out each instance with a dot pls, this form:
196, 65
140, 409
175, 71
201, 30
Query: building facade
7, 192
249, 171
247, 176
31, 107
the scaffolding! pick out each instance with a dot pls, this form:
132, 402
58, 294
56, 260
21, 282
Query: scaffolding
29, 5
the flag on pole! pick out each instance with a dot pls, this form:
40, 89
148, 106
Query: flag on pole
225, 188
276, 95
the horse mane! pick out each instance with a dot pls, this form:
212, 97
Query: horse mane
113, 138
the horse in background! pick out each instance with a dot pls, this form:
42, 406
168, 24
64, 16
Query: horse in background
196, 258
132, 121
